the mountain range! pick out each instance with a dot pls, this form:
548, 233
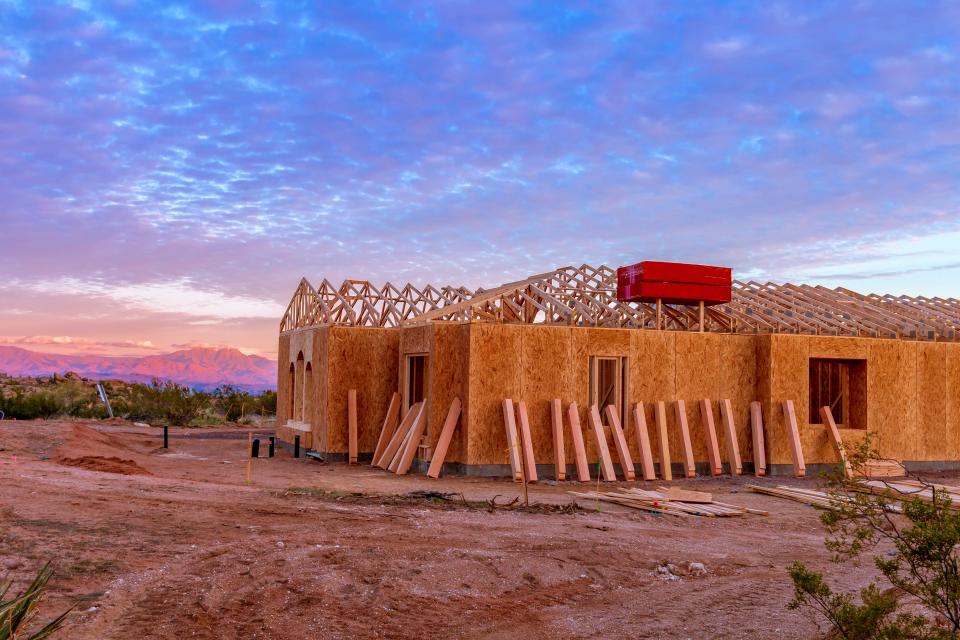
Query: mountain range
199, 368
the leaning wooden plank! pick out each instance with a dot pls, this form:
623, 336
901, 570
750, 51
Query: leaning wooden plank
759, 452
352, 436
826, 414
579, 450
603, 451
413, 443
688, 463
730, 429
559, 453
713, 447
402, 449
526, 444
661, 415
793, 438
513, 440
388, 428
398, 437
446, 435
620, 443
643, 442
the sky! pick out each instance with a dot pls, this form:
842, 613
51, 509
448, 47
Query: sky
169, 171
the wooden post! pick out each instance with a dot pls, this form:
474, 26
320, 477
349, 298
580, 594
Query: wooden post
759, 453
352, 436
398, 437
733, 447
793, 438
826, 414
620, 443
701, 316
579, 450
559, 453
659, 314
661, 417
713, 447
513, 441
688, 462
606, 464
413, 442
446, 435
389, 427
526, 444
643, 442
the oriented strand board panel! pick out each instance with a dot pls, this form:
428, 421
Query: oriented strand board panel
586, 342
545, 374
495, 374
698, 371
892, 394
936, 440
448, 364
652, 375
789, 380
361, 358
738, 383
321, 375
283, 379
952, 449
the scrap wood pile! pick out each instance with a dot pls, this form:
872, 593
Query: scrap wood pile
908, 488
815, 498
670, 501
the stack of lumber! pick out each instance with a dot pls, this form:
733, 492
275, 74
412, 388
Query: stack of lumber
907, 488
881, 469
696, 503
812, 497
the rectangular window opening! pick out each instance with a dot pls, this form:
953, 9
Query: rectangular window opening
416, 380
608, 385
841, 385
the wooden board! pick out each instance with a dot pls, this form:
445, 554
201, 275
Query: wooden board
413, 442
559, 453
606, 464
446, 435
730, 429
352, 426
513, 440
398, 437
759, 452
685, 495
661, 415
643, 442
688, 463
826, 414
710, 429
793, 438
579, 450
402, 449
620, 443
388, 429
526, 444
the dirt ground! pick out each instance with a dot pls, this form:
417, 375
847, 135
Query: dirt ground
154, 543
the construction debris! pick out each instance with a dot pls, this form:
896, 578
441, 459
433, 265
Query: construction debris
907, 488
659, 502
812, 497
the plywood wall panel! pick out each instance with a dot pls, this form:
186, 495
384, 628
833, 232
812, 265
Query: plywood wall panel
546, 374
952, 365
738, 383
652, 378
448, 360
318, 421
789, 372
495, 374
892, 395
698, 375
283, 379
936, 437
587, 342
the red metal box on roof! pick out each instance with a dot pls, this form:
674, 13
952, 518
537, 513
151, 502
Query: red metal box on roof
673, 293
655, 271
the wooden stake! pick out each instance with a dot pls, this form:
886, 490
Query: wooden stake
713, 447
620, 443
793, 438
579, 450
388, 429
661, 415
733, 447
827, 415
688, 462
603, 451
446, 435
352, 436
643, 442
398, 437
249, 454
513, 440
526, 444
559, 453
759, 454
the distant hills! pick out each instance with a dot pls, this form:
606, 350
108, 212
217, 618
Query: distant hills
200, 368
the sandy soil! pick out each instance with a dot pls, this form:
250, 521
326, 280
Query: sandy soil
154, 543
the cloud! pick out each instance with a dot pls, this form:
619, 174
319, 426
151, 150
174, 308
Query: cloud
724, 47
74, 343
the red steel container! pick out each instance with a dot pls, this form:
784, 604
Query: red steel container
674, 283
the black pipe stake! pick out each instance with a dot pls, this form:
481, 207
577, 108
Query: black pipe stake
255, 448
270, 448
296, 446
166, 437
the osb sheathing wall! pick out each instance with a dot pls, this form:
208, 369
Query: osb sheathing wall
539, 363
913, 397
361, 358
446, 345
283, 377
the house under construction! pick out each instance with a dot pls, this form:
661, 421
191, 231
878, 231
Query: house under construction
884, 364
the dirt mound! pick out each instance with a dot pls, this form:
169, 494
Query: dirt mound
90, 449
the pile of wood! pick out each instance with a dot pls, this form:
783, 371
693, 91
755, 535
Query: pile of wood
819, 499
398, 443
670, 501
907, 488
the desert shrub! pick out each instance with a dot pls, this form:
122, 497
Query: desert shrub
233, 403
31, 406
924, 563
163, 401
18, 612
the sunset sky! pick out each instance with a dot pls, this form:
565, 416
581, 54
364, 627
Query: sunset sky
168, 171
